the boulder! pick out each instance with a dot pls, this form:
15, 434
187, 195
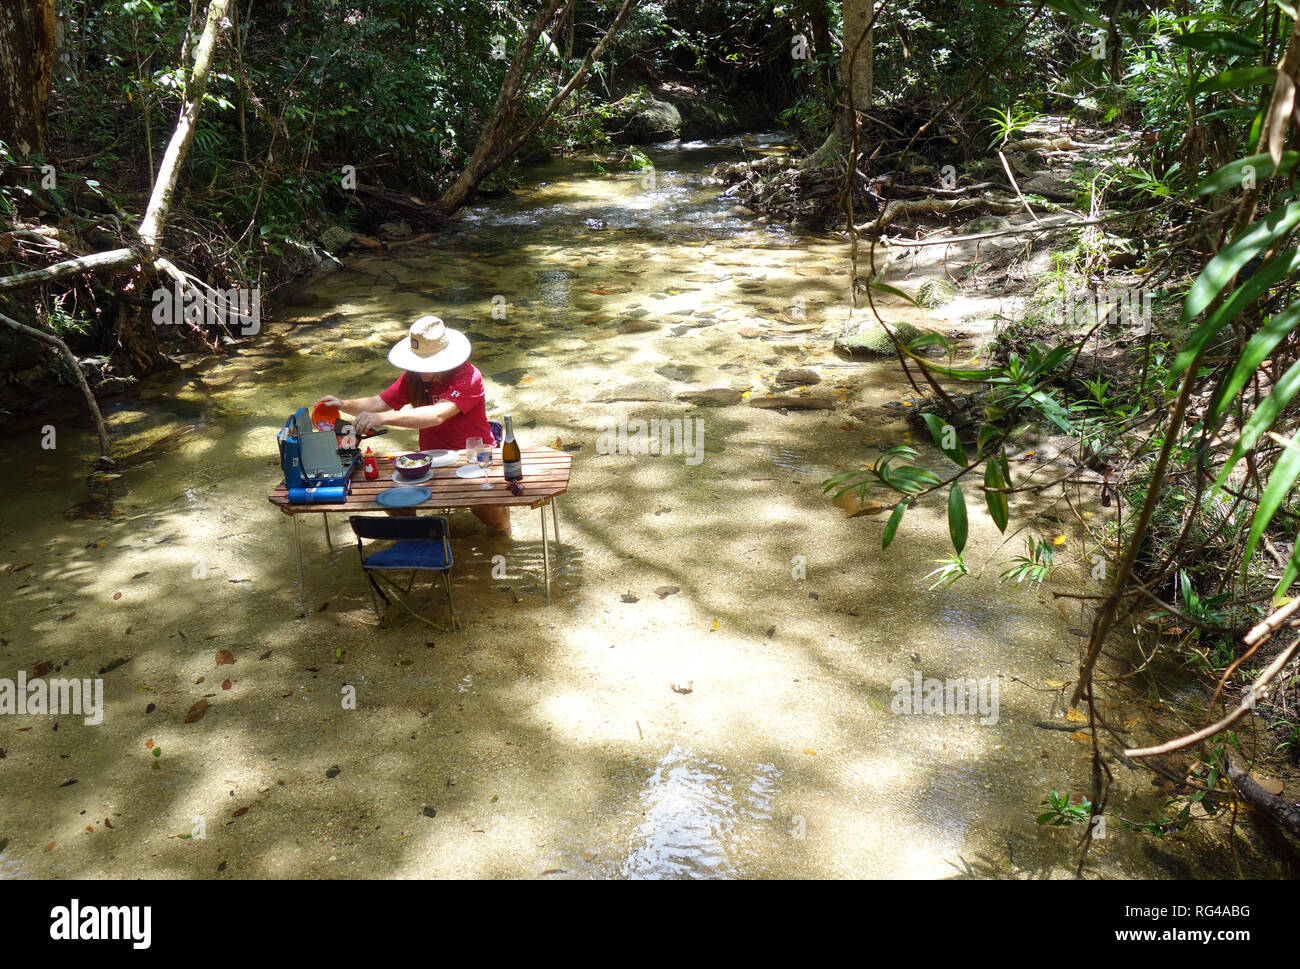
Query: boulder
335, 238
934, 293
643, 119
867, 338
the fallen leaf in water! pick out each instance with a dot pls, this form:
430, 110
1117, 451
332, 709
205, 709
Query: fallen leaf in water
664, 591
1081, 737
67, 782
109, 667
196, 712
266, 655
150, 708
810, 752
13, 569
1271, 784
334, 771
225, 684
715, 627
853, 507
553, 871
90, 828
688, 687
148, 744
43, 667
50, 846
1058, 540
240, 812
224, 657
1132, 721
1056, 684
1075, 716
628, 597
139, 575
157, 752
117, 595
107, 823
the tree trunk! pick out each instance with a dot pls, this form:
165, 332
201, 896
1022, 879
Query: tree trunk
857, 78
26, 69
498, 144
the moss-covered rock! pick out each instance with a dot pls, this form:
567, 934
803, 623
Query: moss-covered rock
868, 338
934, 293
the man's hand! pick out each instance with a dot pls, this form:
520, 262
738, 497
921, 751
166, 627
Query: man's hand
368, 420
329, 400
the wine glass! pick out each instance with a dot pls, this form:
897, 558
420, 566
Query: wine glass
472, 447
483, 457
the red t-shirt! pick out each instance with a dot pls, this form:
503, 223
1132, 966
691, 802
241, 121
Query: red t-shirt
464, 388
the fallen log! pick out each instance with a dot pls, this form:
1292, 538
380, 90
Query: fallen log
898, 207
406, 207
50, 339
1275, 808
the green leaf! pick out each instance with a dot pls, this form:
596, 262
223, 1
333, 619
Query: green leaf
939, 429
1245, 294
893, 291
998, 504
1237, 77
1230, 175
1076, 10
957, 517
1218, 42
1280, 482
1262, 419
891, 526
1257, 349
1224, 266
157, 751
987, 433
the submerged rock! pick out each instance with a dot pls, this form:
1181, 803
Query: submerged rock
713, 397
797, 376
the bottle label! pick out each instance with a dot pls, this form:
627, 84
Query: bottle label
513, 469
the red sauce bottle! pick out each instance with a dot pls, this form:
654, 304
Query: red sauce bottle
371, 468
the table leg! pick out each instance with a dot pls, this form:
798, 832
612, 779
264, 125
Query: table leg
302, 584
328, 541
546, 557
555, 520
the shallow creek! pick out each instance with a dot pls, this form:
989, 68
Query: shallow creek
739, 725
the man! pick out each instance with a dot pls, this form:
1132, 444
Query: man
440, 394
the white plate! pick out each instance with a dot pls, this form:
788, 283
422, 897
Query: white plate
442, 458
408, 481
470, 471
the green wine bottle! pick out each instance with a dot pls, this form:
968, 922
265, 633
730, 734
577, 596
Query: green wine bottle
511, 460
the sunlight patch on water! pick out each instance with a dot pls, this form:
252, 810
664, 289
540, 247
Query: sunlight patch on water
692, 809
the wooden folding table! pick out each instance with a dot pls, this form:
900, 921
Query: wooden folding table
546, 477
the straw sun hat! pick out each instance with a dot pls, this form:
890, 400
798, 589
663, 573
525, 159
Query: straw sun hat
430, 347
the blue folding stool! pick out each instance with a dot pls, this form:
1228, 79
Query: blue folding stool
422, 546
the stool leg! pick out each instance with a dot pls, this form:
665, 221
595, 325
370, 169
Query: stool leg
328, 541
555, 520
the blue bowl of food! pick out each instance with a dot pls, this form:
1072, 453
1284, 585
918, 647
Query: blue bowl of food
412, 466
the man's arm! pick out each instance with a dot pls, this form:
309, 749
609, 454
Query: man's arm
430, 415
359, 406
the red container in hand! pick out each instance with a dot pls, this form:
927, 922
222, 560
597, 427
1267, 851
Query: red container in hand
370, 467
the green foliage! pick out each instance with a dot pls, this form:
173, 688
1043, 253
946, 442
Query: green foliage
1035, 567
1061, 813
